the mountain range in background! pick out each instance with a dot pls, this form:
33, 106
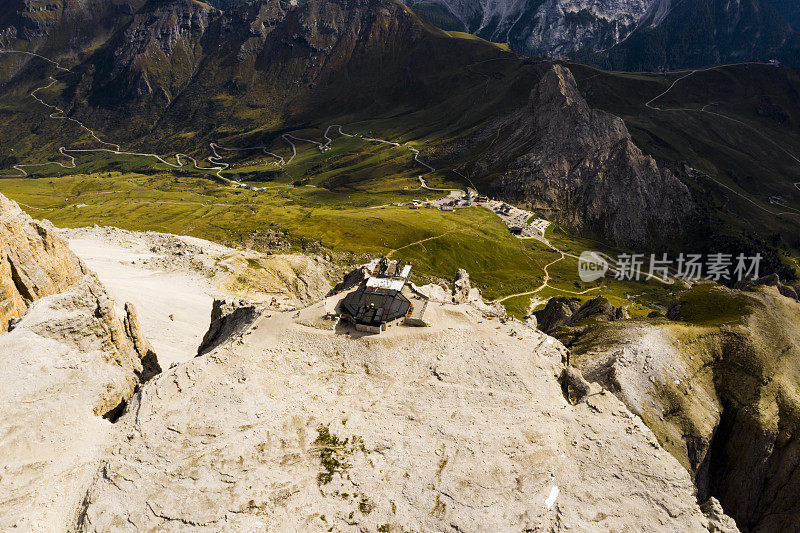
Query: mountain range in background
176, 75
640, 35
630, 34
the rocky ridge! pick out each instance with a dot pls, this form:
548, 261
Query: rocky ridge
305, 427
594, 180
568, 312
717, 386
34, 262
69, 360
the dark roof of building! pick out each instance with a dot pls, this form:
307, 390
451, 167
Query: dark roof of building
373, 306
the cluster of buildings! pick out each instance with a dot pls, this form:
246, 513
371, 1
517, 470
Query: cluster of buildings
520, 222
249, 187
384, 300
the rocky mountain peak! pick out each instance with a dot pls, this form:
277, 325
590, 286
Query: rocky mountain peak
557, 84
579, 166
556, 101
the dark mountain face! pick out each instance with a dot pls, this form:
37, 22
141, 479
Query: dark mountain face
35, 24
554, 28
58, 29
181, 62
788, 9
706, 32
631, 34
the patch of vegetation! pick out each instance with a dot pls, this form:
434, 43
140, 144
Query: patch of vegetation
365, 505
708, 304
255, 265
439, 507
332, 454
317, 220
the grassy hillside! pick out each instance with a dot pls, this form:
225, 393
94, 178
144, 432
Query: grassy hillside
738, 125
352, 227
433, 87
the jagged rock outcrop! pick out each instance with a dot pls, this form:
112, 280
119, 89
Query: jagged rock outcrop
461, 286
352, 279
575, 387
718, 385
460, 292
567, 312
557, 313
229, 319
593, 179
788, 290
716, 519
34, 262
69, 361
142, 347
461, 426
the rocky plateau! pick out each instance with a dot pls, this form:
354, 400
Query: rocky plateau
292, 421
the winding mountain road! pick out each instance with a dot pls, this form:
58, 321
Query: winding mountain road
115, 149
650, 104
218, 165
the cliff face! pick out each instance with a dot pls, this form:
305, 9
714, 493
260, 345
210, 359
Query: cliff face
690, 33
34, 262
719, 387
629, 34
545, 28
160, 50
69, 360
579, 166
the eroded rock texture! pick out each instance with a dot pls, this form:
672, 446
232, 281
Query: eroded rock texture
69, 360
34, 262
579, 166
